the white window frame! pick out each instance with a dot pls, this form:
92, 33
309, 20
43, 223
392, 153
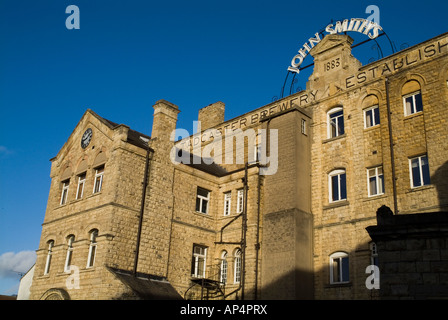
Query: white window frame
68, 257
237, 267
223, 268
339, 256
240, 201
203, 199
92, 248
303, 126
329, 122
81, 184
257, 148
411, 176
374, 124
98, 183
197, 256
337, 172
413, 106
380, 188
49, 255
64, 194
227, 203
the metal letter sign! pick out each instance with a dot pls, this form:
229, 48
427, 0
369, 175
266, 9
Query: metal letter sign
367, 27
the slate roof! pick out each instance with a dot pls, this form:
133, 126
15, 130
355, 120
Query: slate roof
133, 136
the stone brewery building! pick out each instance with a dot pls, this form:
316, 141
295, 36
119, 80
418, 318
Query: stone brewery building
125, 221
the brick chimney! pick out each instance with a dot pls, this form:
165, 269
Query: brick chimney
165, 118
211, 115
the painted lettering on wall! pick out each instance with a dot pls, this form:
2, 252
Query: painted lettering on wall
394, 65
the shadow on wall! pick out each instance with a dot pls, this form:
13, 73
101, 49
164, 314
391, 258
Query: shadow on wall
440, 181
304, 285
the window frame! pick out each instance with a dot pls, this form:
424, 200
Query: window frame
98, 186
414, 105
69, 255
372, 108
227, 203
223, 272
93, 246
377, 176
344, 269
202, 199
336, 172
329, 123
373, 254
50, 245
81, 184
64, 193
240, 201
421, 175
196, 261
237, 266
303, 127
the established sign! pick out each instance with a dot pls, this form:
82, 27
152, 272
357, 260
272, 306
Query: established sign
367, 27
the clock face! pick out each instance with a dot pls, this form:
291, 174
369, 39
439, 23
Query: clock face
86, 137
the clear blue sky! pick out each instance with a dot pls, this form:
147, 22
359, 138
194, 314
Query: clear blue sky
129, 54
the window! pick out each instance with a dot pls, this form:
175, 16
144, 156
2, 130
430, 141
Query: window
257, 148
335, 122
373, 254
339, 268
223, 270
92, 248
64, 195
227, 202
337, 185
303, 126
240, 201
198, 261
98, 179
412, 103
371, 117
50, 245
237, 267
81, 183
68, 258
202, 199
375, 181
419, 171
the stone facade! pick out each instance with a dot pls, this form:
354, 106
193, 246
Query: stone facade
294, 228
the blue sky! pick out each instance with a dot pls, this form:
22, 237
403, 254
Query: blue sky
129, 54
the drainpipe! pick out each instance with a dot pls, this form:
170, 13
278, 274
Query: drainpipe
142, 207
243, 234
391, 143
257, 244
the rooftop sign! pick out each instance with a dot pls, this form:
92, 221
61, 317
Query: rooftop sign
365, 26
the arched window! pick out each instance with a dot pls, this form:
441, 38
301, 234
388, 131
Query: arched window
223, 267
68, 258
99, 172
412, 97
50, 245
237, 267
337, 186
339, 268
335, 122
92, 248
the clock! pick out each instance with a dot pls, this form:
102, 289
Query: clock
86, 137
